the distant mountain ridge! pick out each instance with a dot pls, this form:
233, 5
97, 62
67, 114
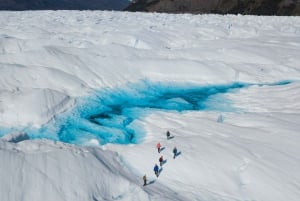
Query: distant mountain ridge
255, 7
63, 4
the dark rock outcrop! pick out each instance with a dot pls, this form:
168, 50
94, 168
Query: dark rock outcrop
63, 4
254, 7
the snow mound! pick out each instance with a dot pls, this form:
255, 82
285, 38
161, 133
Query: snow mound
83, 173
32, 106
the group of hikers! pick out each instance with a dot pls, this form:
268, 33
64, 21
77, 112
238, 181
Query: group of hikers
161, 159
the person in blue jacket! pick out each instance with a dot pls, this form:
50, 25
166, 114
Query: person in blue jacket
156, 170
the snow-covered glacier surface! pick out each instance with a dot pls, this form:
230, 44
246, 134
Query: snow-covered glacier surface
85, 96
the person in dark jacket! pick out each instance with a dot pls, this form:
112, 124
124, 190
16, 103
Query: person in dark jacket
168, 134
145, 180
175, 152
161, 160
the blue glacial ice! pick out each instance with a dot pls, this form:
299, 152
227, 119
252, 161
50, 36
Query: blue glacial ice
112, 115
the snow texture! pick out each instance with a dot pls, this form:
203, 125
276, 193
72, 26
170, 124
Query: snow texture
86, 95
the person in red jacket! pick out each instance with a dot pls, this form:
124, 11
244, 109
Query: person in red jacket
158, 146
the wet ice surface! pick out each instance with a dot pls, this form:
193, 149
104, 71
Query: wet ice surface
111, 116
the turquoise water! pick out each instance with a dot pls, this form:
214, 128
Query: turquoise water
112, 115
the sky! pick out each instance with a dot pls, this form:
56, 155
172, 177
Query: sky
85, 96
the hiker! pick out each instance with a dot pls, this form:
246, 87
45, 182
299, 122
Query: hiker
168, 135
145, 180
158, 146
175, 152
161, 160
156, 170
